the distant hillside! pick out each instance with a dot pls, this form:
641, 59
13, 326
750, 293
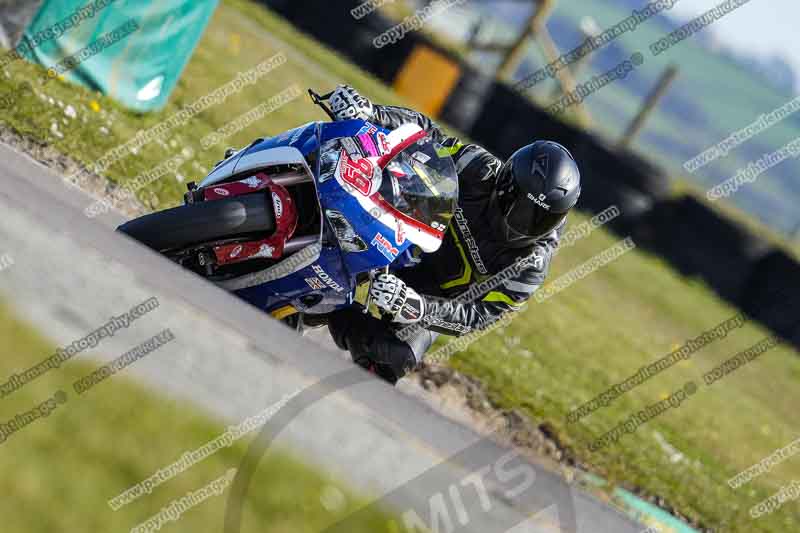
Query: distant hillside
718, 92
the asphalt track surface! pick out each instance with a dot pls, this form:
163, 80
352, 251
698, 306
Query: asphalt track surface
71, 273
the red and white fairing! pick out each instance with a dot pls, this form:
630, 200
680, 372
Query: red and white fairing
362, 178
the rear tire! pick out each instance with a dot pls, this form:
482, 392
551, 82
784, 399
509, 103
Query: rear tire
202, 222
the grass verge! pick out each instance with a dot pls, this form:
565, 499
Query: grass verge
566, 350
60, 471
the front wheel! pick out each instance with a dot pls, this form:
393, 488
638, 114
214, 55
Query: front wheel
203, 222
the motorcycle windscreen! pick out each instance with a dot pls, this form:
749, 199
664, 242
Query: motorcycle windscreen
419, 187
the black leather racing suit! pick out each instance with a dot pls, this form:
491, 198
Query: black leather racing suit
471, 260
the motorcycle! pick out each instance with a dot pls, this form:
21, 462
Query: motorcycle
298, 224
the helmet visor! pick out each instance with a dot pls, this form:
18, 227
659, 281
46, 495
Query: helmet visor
525, 219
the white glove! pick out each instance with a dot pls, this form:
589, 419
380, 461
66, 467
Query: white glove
346, 104
393, 297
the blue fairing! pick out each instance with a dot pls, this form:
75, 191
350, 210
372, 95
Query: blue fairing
305, 138
309, 137
329, 282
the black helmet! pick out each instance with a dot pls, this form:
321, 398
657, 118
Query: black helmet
535, 190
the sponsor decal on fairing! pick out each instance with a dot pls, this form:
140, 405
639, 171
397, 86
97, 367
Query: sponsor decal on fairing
385, 247
278, 204
315, 283
266, 251
383, 143
367, 129
326, 279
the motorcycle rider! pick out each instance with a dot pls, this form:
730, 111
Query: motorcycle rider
508, 214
